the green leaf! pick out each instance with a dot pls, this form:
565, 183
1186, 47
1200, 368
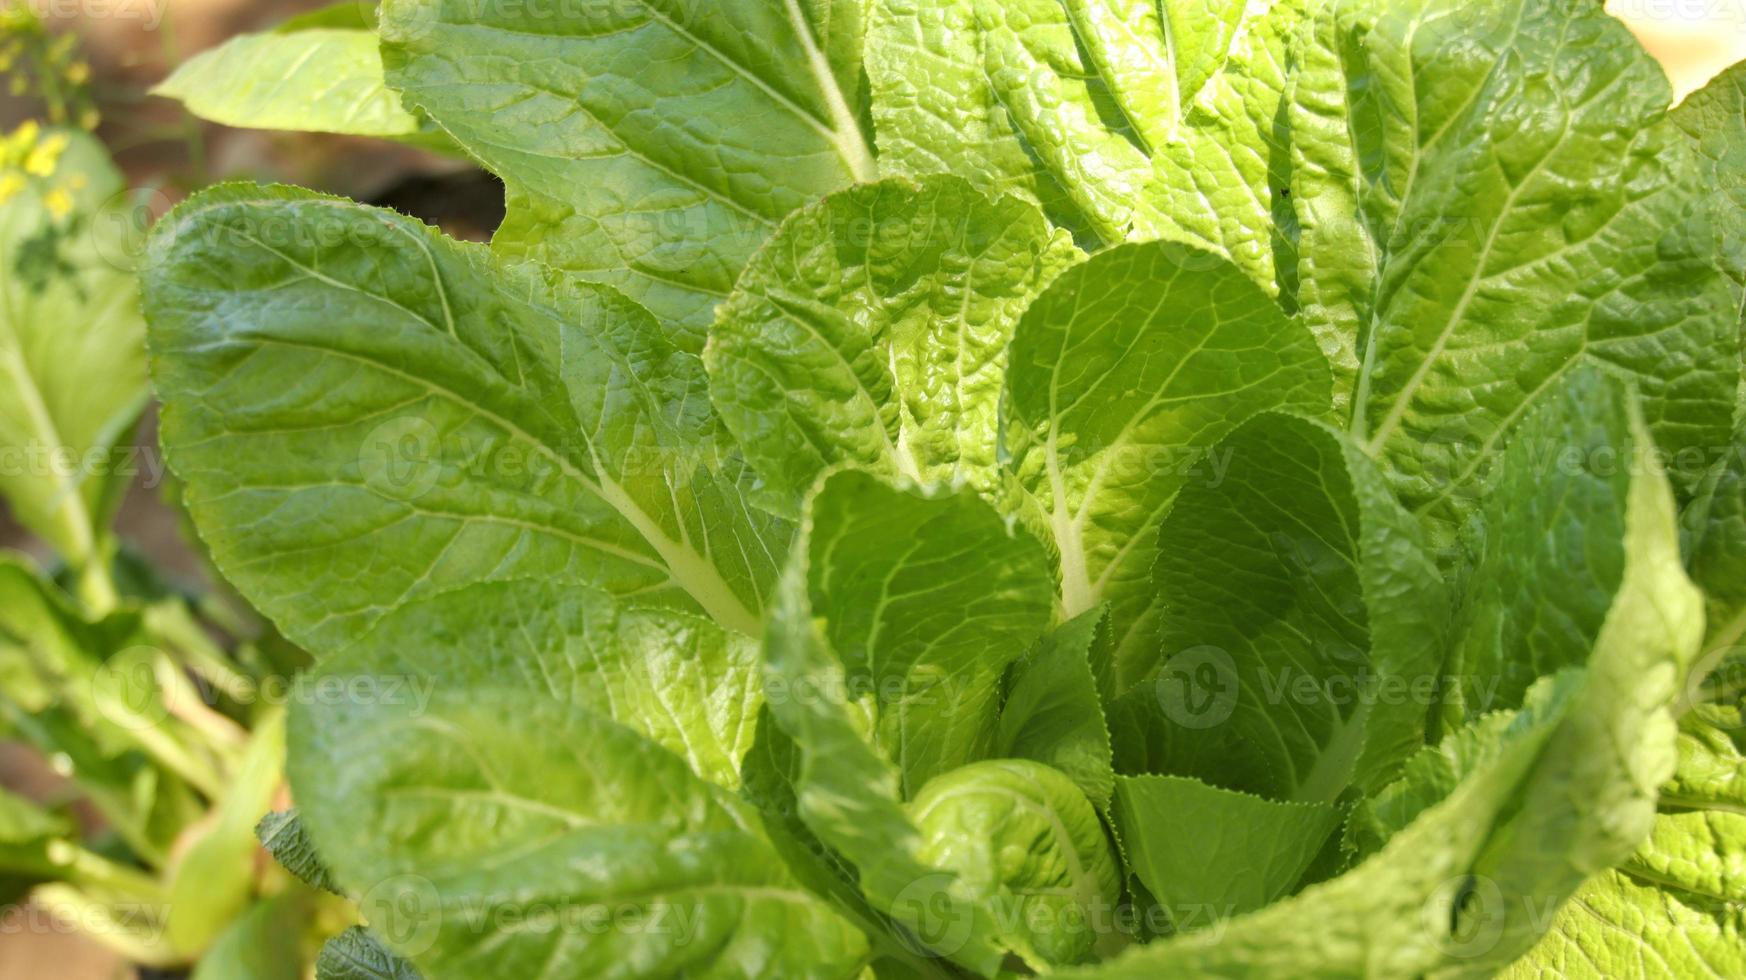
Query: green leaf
1489, 197
91, 692
366, 413
1121, 118
282, 834
998, 92
770, 776
1677, 906
1434, 772
211, 883
1025, 842
1466, 885
1222, 174
1559, 471
920, 636
1306, 624
1714, 119
357, 955
352, 14
318, 79
465, 819
884, 667
873, 327
1052, 713
1207, 853
72, 355
1617, 926
650, 144
1121, 375
677, 679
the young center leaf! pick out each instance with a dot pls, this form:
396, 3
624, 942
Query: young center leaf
650, 144
366, 413
1246, 851
884, 667
974, 818
873, 328
1120, 377
1052, 712
1304, 628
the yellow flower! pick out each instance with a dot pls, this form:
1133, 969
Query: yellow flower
59, 202
11, 183
26, 134
79, 72
42, 159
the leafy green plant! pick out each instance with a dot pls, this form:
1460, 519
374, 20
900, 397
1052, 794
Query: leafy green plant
143, 695
981, 488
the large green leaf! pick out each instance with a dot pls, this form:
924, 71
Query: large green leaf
1305, 629
1122, 118
999, 92
675, 678
873, 327
884, 667
651, 144
1120, 377
1490, 195
463, 819
1464, 887
366, 413
320, 80
1618, 926
72, 353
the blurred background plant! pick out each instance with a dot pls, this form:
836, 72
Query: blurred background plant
139, 694
136, 685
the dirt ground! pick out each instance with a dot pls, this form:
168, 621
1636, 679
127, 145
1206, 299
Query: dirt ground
159, 146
